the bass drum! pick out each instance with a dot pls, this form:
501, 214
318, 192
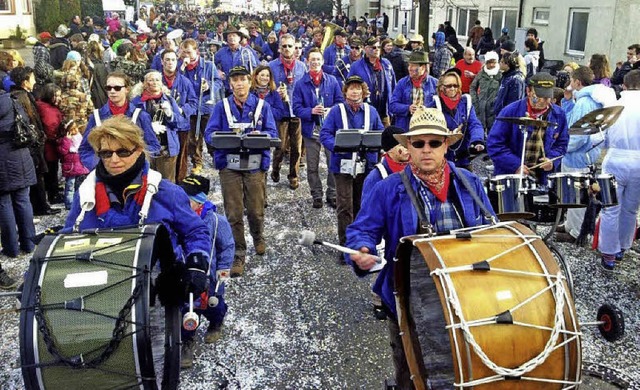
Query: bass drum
486, 308
86, 312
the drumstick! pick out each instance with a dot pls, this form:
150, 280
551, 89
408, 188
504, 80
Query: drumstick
308, 237
542, 163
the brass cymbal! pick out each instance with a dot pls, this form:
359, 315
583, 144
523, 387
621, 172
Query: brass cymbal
596, 120
525, 121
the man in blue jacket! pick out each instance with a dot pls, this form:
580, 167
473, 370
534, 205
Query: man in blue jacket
337, 50
388, 211
505, 140
242, 176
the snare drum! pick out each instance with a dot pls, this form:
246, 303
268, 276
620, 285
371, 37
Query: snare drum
486, 308
509, 199
569, 190
86, 317
608, 194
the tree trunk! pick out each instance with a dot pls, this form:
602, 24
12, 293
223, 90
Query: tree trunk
423, 17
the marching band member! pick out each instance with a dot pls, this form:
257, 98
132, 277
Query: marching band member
378, 74
316, 42
312, 96
117, 87
354, 55
348, 169
166, 119
413, 91
243, 113
287, 71
337, 50
232, 55
200, 73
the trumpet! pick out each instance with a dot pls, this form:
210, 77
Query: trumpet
343, 68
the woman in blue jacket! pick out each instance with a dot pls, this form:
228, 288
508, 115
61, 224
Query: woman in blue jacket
512, 86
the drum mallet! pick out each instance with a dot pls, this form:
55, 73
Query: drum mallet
190, 320
308, 238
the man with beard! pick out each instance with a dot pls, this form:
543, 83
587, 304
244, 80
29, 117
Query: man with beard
378, 74
200, 73
233, 55
287, 71
337, 50
312, 97
242, 185
166, 119
413, 91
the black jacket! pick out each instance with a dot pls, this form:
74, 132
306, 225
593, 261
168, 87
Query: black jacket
58, 49
16, 166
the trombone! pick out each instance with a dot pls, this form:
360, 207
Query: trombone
343, 68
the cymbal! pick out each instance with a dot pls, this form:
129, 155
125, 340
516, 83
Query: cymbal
526, 121
596, 120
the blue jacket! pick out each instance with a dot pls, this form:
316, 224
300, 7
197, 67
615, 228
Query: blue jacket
473, 130
388, 213
169, 206
278, 108
304, 99
174, 123
330, 58
185, 97
504, 142
88, 155
333, 123
512, 88
226, 59
373, 178
299, 70
361, 68
264, 124
402, 98
203, 70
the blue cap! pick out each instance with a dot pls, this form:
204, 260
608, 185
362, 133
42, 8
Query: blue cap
505, 30
74, 55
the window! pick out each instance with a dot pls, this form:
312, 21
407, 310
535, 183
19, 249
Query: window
466, 20
396, 17
449, 14
374, 7
541, 16
577, 32
503, 18
7, 7
413, 19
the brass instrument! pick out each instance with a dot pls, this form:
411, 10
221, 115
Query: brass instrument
343, 68
329, 30
176, 36
245, 57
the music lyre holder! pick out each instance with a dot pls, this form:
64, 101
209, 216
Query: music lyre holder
243, 142
357, 141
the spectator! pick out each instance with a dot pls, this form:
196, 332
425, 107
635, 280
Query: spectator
599, 64
475, 34
59, 47
532, 58
533, 33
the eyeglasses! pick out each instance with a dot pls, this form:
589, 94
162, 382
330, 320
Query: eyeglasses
433, 144
122, 153
286, 45
449, 86
375, 47
298, 47
116, 88
356, 47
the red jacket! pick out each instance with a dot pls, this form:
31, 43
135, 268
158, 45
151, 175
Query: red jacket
51, 118
474, 68
69, 157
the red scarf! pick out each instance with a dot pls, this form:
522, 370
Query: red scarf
377, 65
169, 79
535, 113
316, 77
102, 198
147, 96
192, 65
118, 110
437, 181
355, 105
340, 45
451, 103
288, 68
395, 166
417, 83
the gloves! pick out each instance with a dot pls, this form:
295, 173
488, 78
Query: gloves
158, 128
222, 275
196, 279
166, 107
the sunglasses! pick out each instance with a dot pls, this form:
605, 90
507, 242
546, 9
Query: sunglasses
298, 47
449, 86
375, 47
122, 153
356, 47
433, 144
286, 45
116, 88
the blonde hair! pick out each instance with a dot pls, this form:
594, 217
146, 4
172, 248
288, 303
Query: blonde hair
120, 129
449, 74
16, 57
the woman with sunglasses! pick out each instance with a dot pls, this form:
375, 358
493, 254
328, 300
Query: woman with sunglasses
461, 117
117, 88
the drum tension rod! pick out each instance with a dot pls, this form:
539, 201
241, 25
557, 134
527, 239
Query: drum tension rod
504, 318
482, 266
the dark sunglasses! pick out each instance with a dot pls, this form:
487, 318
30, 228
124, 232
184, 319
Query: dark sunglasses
116, 88
449, 86
286, 45
356, 47
122, 153
433, 144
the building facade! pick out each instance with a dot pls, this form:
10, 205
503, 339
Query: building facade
15, 13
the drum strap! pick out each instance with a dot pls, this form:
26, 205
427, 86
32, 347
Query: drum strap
425, 223
487, 214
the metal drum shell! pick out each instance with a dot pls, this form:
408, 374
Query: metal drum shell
508, 200
608, 194
569, 190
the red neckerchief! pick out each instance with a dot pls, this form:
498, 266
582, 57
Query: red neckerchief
534, 112
169, 79
451, 103
288, 68
395, 166
417, 83
192, 65
147, 96
355, 105
118, 110
437, 181
316, 77
199, 209
341, 46
377, 65
102, 198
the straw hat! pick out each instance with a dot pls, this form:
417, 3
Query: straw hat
400, 40
428, 121
416, 38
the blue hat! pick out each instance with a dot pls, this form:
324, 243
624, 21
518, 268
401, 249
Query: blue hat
74, 55
200, 197
505, 30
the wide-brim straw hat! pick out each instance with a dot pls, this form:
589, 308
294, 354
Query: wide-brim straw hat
428, 121
400, 40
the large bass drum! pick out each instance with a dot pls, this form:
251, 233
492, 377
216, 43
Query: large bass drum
486, 308
86, 312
